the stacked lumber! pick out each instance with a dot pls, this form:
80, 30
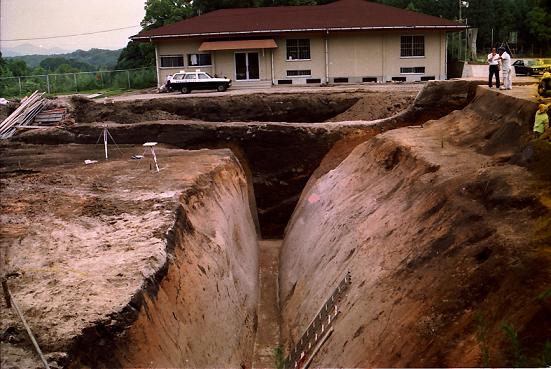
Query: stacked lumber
23, 115
50, 117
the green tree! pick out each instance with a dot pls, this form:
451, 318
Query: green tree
53, 63
17, 67
539, 24
136, 55
161, 12
66, 68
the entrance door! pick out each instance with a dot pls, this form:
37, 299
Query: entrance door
246, 66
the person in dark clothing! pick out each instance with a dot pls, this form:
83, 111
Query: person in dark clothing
493, 62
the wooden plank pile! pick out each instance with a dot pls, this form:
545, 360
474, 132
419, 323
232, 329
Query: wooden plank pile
50, 117
23, 115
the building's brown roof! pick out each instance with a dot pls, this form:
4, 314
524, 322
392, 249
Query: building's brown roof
337, 16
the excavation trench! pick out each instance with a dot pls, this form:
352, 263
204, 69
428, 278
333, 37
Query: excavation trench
446, 223
278, 157
311, 107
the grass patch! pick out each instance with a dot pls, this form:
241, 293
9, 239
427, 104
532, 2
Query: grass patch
279, 357
482, 338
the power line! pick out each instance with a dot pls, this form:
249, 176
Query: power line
73, 35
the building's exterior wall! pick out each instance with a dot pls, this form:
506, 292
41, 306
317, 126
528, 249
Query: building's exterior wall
352, 55
433, 61
178, 47
316, 63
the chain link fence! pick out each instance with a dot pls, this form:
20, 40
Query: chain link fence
57, 83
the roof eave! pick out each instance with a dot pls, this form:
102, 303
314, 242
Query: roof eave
150, 38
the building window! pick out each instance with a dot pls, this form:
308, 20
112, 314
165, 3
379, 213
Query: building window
412, 46
412, 70
299, 73
172, 61
298, 49
196, 60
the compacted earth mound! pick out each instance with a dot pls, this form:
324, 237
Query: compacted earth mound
446, 239
116, 265
377, 106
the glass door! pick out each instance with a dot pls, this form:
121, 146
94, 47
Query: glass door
247, 66
253, 66
241, 66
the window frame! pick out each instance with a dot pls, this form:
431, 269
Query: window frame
299, 75
423, 72
199, 65
171, 56
298, 50
411, 47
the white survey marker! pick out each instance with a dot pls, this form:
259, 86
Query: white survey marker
151, 145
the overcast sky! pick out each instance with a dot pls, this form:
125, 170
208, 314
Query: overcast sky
43, 18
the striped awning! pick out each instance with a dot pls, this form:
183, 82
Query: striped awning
238, 45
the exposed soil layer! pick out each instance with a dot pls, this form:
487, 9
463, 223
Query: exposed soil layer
377, 106
446, 240
114, 265
259, 108
281, 156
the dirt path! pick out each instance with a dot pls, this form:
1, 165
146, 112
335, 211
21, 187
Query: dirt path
267, 336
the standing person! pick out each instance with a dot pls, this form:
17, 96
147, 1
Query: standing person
505, 59
541, 121
493, 62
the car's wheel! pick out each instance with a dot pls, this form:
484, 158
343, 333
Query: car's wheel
221, 88
529, 73
185, 90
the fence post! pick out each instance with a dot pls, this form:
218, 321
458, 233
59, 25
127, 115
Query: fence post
48, 82
128, 77
20, 89
76, 84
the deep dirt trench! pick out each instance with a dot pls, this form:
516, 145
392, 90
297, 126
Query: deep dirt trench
278, 157
261, 107
439, 224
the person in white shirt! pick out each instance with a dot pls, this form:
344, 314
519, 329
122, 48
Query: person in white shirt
493, 62
505, 59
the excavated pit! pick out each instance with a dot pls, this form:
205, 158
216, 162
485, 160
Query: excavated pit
312, 107
438, 224
281, 156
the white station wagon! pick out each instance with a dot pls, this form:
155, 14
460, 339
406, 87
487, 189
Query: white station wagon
189, 81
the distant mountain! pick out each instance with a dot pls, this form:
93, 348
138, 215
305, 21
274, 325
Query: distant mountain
29, 49
99, 58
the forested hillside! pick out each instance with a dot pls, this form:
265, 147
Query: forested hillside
96, 58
